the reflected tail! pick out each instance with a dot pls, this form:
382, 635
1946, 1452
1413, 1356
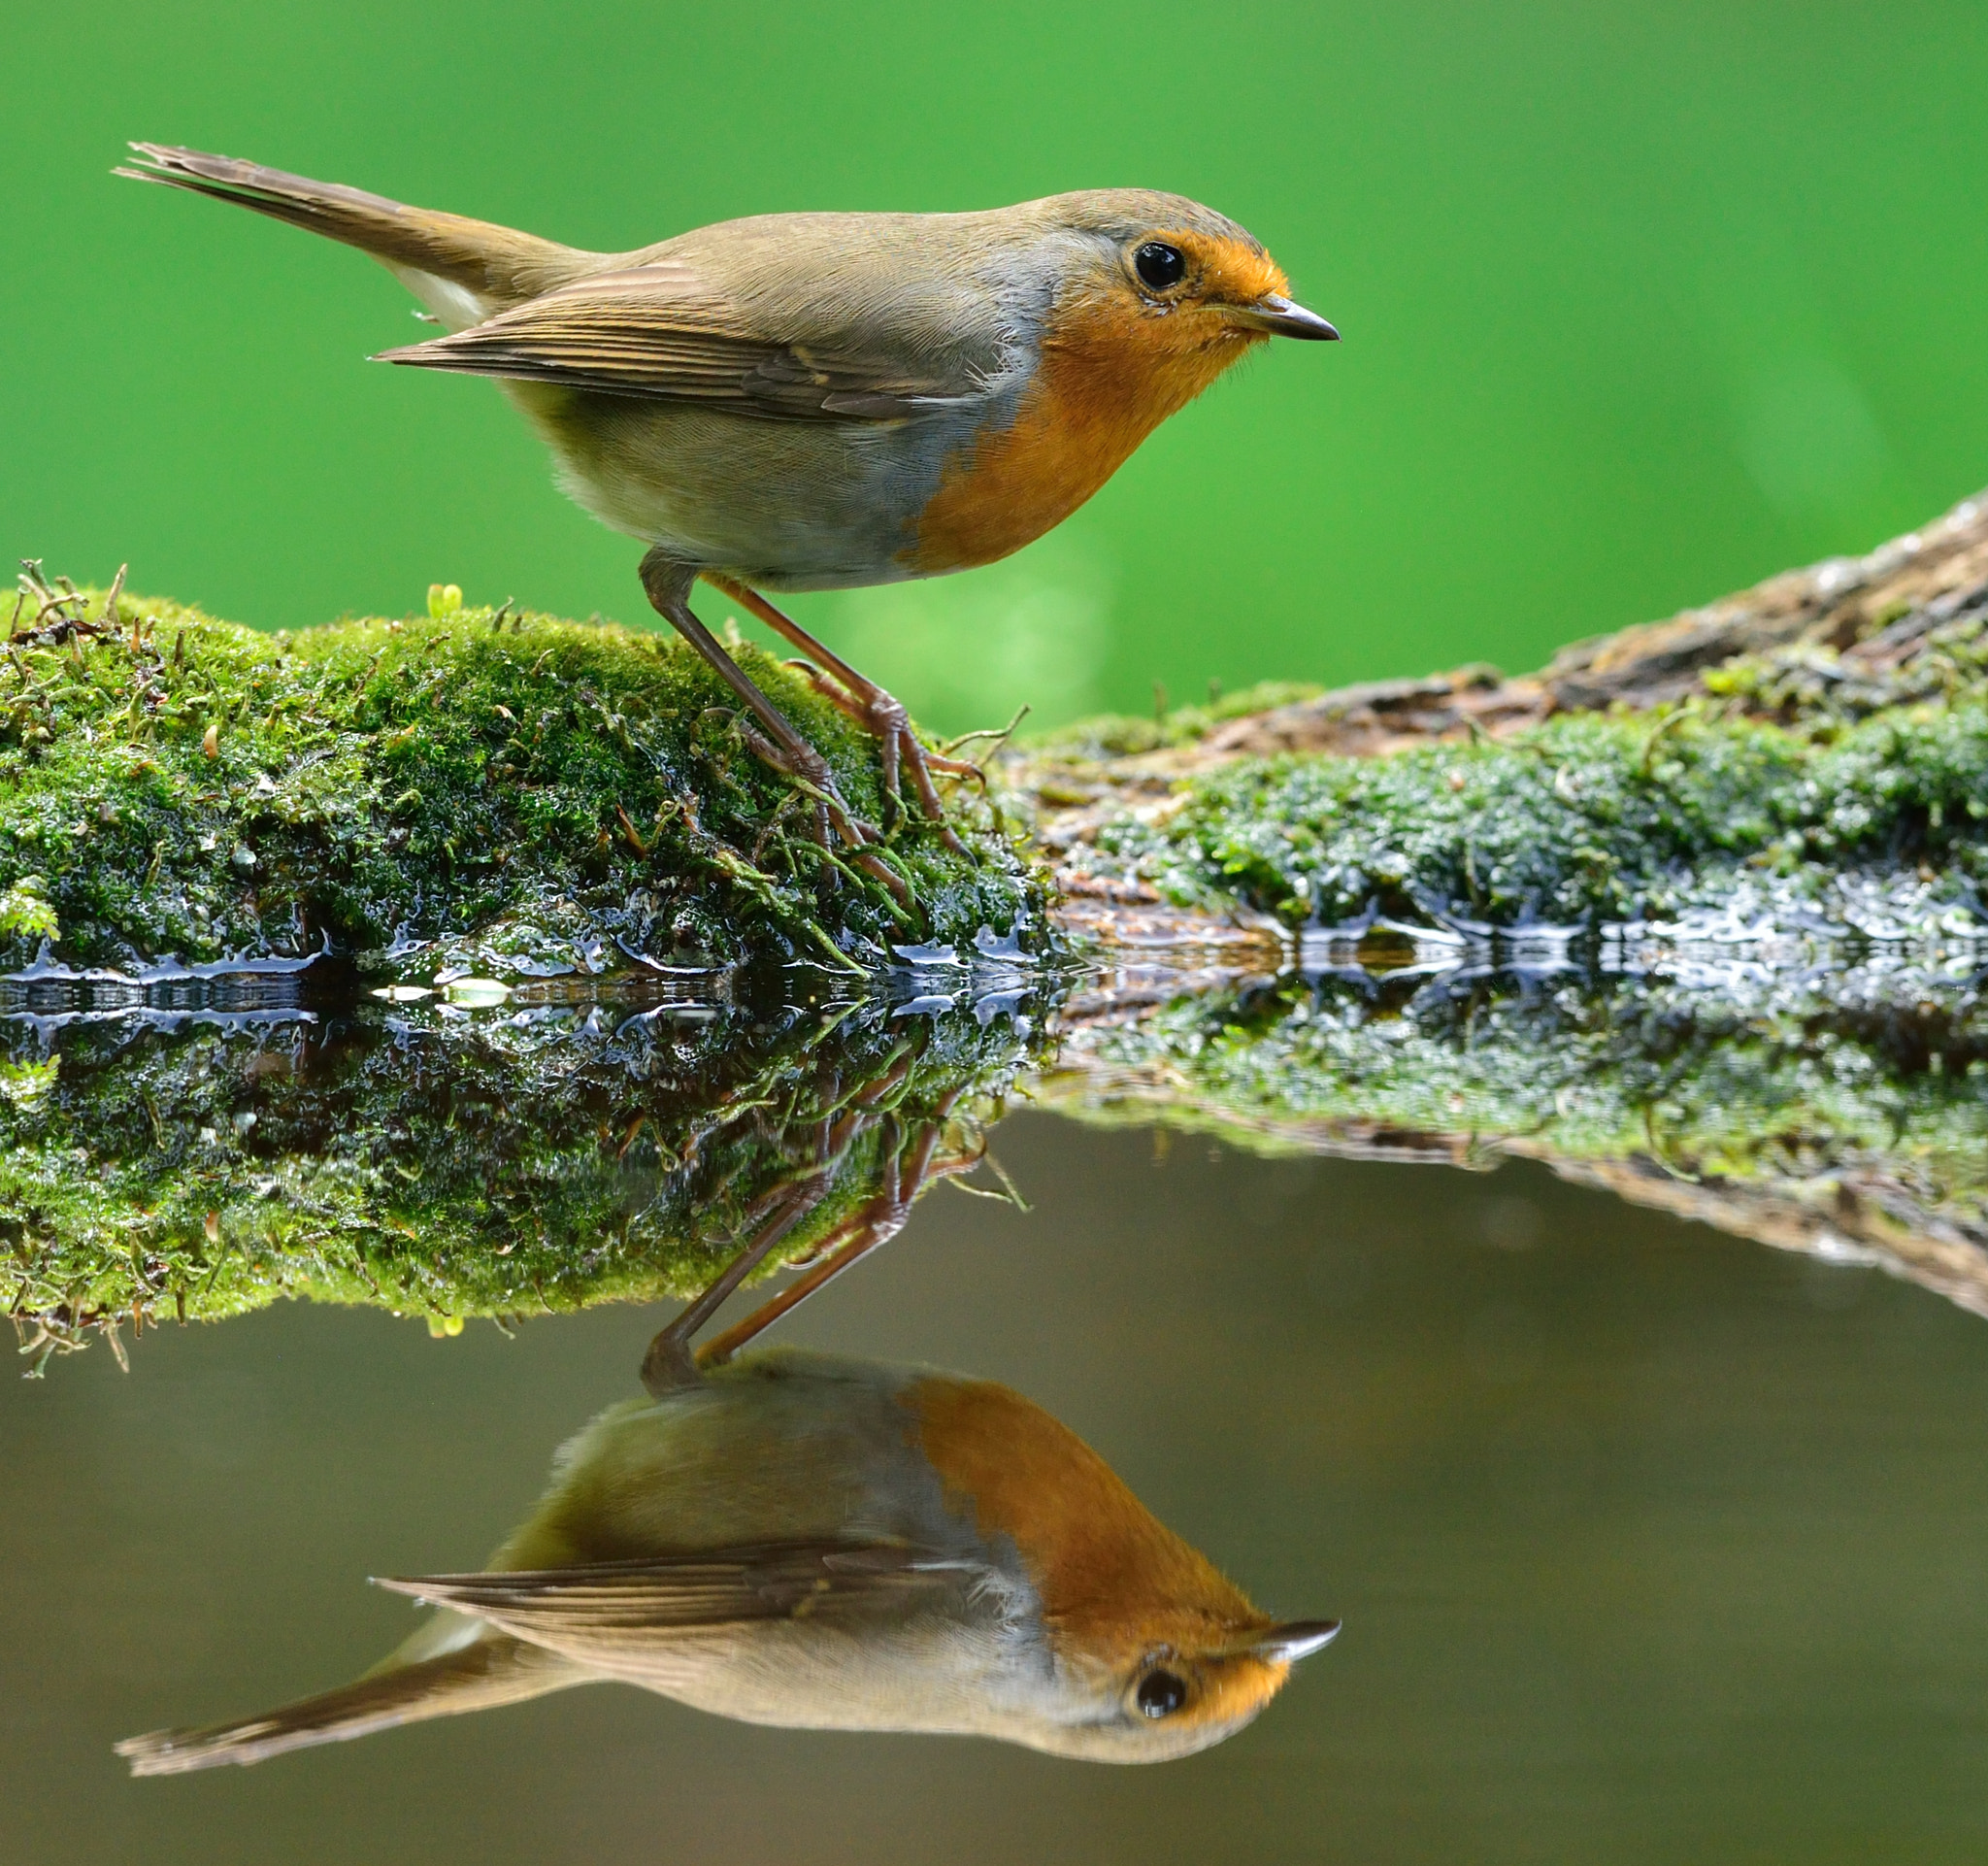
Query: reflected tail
478, 1676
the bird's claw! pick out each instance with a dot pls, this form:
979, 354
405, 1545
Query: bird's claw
808, 770
883, 715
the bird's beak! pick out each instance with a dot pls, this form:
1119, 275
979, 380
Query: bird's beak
1278, 316
1294, 1640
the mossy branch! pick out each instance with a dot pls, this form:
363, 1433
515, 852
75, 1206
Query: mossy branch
1696, 912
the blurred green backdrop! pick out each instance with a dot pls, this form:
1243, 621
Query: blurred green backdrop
1641, 302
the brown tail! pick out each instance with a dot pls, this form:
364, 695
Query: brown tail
475, 1677
498, 264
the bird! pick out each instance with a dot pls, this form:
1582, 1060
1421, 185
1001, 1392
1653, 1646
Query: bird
817, 1541
823, 1542
814, 401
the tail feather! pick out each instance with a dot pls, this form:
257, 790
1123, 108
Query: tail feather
497, 265
474, 1678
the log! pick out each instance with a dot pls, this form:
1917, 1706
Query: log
1695, 913
472, 965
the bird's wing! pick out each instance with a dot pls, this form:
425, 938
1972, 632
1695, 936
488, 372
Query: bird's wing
660, 332
615, 1608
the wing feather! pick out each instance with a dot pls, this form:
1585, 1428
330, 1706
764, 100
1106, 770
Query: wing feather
659, 333
621, 1605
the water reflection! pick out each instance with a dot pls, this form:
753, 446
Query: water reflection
203, 1146
822, 1542
201, 1155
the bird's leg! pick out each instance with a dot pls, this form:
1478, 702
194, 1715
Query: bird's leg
670, 1365
668, 583
865, 702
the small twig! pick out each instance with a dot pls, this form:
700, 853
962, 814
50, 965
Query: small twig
1000, 735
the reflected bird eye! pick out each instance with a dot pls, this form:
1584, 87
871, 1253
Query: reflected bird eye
1161, 1693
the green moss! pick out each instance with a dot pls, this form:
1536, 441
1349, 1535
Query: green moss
173, 784
1819, 686
1586, 818
445, 1163
530, 800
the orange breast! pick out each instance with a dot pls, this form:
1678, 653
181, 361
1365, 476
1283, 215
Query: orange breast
1115, 1582
1109, 375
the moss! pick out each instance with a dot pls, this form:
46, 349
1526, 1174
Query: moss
1115, 735
1819, 685
1586, 818
175, 784
450, 1163
573, 810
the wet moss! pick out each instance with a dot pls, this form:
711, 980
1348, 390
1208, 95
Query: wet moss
175, 784
1588, 817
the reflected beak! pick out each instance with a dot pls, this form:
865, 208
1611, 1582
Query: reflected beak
1279, 317
1295, 1639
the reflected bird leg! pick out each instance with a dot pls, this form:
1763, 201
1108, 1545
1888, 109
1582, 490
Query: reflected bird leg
669, 1365
907, 1172
869, 705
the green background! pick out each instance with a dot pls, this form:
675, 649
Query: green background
1640, 302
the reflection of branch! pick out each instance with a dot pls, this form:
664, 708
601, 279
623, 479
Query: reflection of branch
1897, 1200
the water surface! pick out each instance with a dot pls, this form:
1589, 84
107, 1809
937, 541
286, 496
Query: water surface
1650, 1544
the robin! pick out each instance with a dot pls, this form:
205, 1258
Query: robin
824, 1543
821, 401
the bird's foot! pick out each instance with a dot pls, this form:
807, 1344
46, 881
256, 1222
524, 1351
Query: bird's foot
809, 772
884, 717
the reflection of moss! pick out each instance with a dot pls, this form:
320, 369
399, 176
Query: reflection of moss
1597, 1066
184, 785
1584, 817
1857, 1091
445, 1164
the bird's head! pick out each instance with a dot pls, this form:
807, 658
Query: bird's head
1188, 1694
1162, 293
1187, 275
1156, 1653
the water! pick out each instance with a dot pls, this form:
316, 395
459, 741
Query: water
1650, 1544
1641, 303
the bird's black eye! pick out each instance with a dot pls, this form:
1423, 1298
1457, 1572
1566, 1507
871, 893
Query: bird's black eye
1159, 266
1160, 1694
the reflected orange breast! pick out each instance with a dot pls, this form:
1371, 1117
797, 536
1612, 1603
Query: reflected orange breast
1113, 1580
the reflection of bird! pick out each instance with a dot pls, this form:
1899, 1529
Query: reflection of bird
827, 1543
816, 401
